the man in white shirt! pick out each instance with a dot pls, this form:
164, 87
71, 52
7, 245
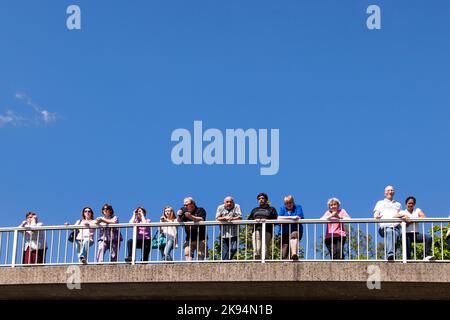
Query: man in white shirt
388, 208
226, 212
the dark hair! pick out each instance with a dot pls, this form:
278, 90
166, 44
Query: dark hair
108, 206
30, 213
410, 198
262, 194
143, 210
82, 212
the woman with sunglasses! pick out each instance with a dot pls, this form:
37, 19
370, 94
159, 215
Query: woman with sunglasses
109, 238
85, 236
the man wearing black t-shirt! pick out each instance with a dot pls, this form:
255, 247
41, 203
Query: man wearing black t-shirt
262, 213
195, 235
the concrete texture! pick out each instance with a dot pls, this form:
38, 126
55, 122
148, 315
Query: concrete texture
288, 280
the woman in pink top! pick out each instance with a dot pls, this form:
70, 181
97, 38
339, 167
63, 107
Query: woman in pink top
335, 236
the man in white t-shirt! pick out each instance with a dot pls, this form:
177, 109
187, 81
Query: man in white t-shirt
388, 208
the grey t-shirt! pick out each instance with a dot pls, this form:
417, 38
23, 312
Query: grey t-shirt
229, 231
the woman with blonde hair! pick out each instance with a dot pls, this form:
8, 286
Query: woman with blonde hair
335, 236
170, 232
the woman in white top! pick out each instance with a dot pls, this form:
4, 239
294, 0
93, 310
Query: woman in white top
34, 241
85, 237
170, 232
413, 234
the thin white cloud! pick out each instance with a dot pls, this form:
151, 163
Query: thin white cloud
44, 115
10, 118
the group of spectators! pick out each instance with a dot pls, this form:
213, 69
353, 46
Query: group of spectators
289, 216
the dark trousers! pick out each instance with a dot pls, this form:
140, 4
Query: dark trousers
418, 238
229, 248
139, 244
33, 256
335, 250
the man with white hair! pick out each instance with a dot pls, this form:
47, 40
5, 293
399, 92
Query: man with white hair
226, 212
388, 208
195, 234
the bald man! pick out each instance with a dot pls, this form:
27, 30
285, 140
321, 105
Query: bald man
227, 212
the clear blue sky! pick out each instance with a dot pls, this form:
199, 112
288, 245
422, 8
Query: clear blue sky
357, 109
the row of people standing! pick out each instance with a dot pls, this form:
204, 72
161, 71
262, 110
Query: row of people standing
196, 236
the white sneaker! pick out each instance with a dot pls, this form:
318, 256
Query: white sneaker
429, 258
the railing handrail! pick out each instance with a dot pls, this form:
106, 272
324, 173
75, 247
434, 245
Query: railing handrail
213, 222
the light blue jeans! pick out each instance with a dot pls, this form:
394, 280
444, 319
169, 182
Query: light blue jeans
166, 253
83, 247
391, 235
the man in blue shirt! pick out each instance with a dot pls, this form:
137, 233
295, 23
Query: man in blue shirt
291, 233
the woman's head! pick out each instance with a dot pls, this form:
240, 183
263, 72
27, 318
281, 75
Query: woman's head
334, 204
107, 210
30, 214
141, 211
169, 213
87, 213
410, 203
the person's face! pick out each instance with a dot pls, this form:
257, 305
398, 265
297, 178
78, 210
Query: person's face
389, 193
228, 203
140, 212
334, 206
262, 200
167, 212
289, 205
189, 205
410, 205
31, 217
106, 211
87, 214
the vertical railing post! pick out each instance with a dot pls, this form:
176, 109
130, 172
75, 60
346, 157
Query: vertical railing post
14, 250
133, 251
263, 242
404, 256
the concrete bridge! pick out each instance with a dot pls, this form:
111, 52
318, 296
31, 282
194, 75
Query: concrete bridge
279, 280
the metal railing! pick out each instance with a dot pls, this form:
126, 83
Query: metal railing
237, 241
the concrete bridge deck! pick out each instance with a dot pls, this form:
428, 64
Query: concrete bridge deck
280, 280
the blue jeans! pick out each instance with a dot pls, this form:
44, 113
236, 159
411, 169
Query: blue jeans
391, 238
82, 248
229, 248
166, 253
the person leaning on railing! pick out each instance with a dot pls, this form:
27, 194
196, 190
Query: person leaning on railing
34, 241
195, 235
143, 237
388, 208
226, 212
262, 213
109, 238
335, 236
290, 236
413, 234
84, 238
170, 232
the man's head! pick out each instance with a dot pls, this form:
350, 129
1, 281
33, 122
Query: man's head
228, 203
389, 192
262, 198
189, 204
289, 202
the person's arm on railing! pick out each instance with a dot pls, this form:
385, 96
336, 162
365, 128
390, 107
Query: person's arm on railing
104, 220
193, 218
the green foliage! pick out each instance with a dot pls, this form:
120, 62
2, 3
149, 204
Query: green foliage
358, 246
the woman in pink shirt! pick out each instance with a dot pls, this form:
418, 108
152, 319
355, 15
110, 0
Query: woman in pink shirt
335, 236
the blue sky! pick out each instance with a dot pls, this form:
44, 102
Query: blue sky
357, 109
